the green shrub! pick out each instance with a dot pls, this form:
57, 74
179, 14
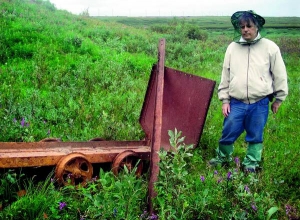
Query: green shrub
195, 33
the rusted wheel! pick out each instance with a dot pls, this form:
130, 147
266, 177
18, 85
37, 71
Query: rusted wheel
73, 169
129, 159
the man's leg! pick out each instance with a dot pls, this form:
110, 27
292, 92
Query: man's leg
253, 157
223, 155
233, 126
255, 122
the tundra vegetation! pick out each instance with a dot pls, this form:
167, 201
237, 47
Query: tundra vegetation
77, 77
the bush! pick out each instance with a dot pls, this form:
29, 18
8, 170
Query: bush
195, 33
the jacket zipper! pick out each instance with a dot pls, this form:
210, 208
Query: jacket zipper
248, 73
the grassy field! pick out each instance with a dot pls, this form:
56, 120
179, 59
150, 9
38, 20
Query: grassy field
79, 77
209, 22
288, 26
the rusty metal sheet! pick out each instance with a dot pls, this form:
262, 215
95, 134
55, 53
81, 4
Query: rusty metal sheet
20, 154
186, 99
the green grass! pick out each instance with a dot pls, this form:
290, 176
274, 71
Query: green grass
210, 22
78, 77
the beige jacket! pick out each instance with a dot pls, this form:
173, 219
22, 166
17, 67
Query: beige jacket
253, 71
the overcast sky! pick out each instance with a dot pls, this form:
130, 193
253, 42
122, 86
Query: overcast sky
265, 8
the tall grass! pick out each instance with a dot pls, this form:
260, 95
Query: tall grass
76, 78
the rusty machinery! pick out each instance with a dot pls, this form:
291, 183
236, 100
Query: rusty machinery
173, 99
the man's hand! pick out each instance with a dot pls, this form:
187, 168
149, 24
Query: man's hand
226, 109
275, 106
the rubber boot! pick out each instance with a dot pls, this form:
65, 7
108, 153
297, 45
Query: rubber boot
253, 157
223, 157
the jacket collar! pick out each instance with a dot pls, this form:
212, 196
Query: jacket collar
243, 41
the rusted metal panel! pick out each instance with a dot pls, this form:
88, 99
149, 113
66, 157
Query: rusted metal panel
186, 99
20, 154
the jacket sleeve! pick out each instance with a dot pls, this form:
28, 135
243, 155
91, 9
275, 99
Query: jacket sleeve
223, 89
279, 74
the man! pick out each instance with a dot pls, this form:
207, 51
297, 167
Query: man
253, 75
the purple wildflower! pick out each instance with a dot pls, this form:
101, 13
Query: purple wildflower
219, 180
229, 175
62, 205
94, 179
153, 217
253, 206
291, 212
202, 178
215, 172
23, 122
144, 215
237, 161
247, 189
288, 208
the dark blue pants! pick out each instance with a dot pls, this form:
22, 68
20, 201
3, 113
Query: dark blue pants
251, 118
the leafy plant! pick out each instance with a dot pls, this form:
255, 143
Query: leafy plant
182, 194
9, 186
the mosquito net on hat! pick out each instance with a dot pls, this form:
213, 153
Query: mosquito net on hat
246, 16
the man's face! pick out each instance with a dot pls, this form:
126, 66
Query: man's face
248, 30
